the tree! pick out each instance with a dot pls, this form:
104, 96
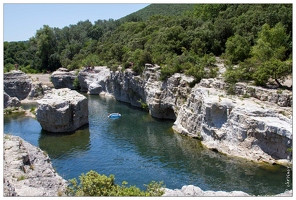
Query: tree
46, 45
270, 54
273, 68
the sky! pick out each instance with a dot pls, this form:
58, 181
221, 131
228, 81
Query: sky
22, 20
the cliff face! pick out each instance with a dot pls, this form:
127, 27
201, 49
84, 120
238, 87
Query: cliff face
254, 123
243, 127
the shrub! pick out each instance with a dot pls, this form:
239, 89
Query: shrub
20, 178
8, 67
94, 184
76, 84
143, 105
32, 110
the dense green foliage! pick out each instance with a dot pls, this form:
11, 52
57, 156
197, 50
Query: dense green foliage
94, 184
268, 58
158, 9
160, 34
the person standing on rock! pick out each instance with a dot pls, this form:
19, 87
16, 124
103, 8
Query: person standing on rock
16, 66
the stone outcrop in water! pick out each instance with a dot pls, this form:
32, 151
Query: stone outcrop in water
62, 78
27, 170
254, 123
62, 110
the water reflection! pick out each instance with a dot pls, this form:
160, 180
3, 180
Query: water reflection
65, 144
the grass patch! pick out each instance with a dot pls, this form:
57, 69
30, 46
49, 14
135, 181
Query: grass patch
20, 178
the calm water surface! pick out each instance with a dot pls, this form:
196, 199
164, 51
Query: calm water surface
139, 149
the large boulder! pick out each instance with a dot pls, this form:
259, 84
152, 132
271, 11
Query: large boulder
17, 84
62, 78
10, 101
19, 87
62, 110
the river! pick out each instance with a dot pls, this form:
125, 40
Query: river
139, 149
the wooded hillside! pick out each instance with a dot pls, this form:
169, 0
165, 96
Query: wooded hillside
178, 37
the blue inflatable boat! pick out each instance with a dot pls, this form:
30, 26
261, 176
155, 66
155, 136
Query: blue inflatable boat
114, 115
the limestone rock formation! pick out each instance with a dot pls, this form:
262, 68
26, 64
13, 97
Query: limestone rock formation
62, 78
194, 191
62, 110
37, 90
10, 101
27, 170
17, 84
190, 190
94, 81
19, 87
243, 127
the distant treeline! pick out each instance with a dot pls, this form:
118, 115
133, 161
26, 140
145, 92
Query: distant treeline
178, 37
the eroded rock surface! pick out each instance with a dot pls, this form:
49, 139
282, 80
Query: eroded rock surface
194, 191
62, 110
10, 101
27, 170
19, 87
243, 127
17, 84
62, 78
191, 190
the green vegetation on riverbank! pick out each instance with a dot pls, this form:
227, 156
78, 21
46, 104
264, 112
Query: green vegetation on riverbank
94, 184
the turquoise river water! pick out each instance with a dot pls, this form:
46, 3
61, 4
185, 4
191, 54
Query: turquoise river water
139, 149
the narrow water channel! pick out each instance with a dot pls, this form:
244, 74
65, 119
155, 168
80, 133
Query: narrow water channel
139, 149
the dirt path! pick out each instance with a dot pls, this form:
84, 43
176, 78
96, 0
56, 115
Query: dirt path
43, 78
